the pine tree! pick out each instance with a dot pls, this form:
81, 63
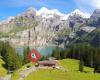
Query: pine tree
18, 61
91, 58
10, 57
97, 61
25, 54
56, 53
81, 65
13, 59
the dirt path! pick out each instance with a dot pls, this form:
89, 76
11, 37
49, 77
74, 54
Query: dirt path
26, 72
7, 77
23, 74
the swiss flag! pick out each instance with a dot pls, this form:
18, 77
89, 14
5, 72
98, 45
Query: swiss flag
34, 55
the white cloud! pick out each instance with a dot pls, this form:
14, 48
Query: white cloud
88, 6
92, 3
95, 3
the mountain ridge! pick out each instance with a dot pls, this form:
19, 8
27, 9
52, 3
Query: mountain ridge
45, 27
50, 11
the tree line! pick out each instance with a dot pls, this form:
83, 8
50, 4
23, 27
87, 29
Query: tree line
13, 60
87, 54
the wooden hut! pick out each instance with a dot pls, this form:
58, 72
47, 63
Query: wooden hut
49, 63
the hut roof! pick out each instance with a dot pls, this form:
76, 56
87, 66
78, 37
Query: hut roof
52, 62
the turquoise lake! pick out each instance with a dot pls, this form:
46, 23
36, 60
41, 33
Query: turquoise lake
45, 50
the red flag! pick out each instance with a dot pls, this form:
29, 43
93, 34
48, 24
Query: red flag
34, 55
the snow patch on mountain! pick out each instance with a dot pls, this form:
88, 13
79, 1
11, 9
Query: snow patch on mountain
80, 13
47, 13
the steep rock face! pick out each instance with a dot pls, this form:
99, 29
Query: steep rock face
92, 38
95, 15
26, 19
44, 27
95, 18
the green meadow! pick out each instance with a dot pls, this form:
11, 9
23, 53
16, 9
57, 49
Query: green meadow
69, 72
3, 71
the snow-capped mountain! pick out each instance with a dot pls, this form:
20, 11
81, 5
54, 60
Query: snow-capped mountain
47, 13
79, 13
43, 27
44, 11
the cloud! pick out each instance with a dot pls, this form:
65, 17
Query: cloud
88, 5
91, 3
95, 3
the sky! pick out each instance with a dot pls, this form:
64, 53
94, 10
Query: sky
15, 7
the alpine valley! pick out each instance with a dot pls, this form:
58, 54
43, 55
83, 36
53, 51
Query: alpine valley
46, 27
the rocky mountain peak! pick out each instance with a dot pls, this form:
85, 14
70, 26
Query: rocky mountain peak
95, 18
96, 13
7, 20
42, 27
50, 13
43, 10
77, 12
30, 12
31, 9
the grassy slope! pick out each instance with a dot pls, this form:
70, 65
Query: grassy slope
3, 71
16, 75
72, 73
